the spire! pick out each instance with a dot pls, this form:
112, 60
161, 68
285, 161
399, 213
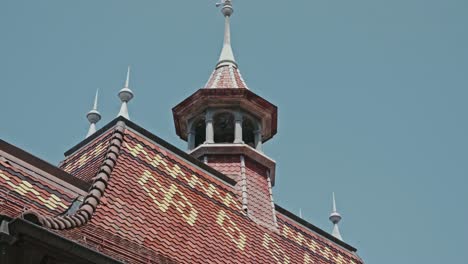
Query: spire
93, 116
226, 73
335, 218
125, 96
227, 56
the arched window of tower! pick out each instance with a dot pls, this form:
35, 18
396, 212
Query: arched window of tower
248, 131
199, 128
224, 127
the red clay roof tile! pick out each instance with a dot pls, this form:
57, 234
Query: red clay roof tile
160, 208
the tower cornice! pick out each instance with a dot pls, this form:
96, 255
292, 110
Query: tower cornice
245, 99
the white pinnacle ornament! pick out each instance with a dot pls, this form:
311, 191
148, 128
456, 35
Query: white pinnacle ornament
125, 96
93, 116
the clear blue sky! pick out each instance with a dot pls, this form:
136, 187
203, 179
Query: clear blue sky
371, 94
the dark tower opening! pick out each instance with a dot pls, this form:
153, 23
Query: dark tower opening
224, 127
200, 132
248, 132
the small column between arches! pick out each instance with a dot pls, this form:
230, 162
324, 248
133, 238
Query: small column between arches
209, 127
238, 118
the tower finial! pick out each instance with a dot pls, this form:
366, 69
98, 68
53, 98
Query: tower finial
93, 116
335, 218
96, 100
125, 96
127, 80
334, 202
227, 55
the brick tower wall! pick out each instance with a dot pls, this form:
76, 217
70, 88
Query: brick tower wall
252, 186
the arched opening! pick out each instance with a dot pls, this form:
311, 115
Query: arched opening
199, 128
248, 132
223, 127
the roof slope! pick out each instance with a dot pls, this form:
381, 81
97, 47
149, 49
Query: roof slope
85, 162
227, 76
160, 205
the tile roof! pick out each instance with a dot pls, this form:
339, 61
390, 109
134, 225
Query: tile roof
90, 202
18, 185
84, 163
227, 76
151, 204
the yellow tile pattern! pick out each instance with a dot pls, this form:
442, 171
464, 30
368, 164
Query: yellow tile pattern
311, 244
86, 156
166, 197
24, 187
231, 229
192, 180
275, 250
172, 196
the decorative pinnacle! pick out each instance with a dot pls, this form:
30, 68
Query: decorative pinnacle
127, 80
96, 100
227, 55
335, 218
227, 9
93, 116
125, 96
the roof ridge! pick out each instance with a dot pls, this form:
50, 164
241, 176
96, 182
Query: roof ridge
85, 142
96, 192
311, 227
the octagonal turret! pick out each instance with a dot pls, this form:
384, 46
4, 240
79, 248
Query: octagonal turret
225, 115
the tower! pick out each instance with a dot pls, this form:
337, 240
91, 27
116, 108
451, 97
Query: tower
225, 125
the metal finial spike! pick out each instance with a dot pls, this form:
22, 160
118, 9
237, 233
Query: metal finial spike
96, 100
227, 55
300, 212
125, 96
127, 80
334, 202
336, 232
335, 218
124, 110
93, 116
